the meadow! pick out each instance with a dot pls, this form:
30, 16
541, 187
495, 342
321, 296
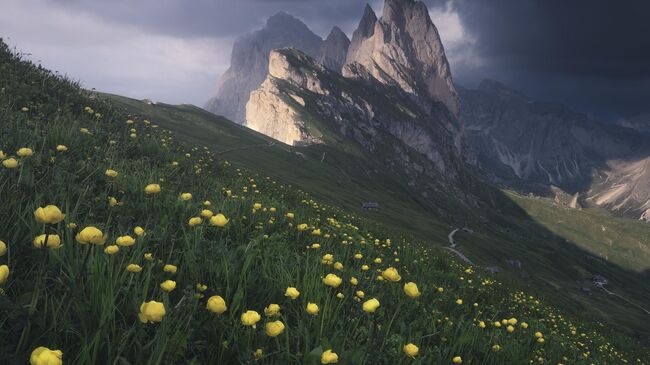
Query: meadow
121, 245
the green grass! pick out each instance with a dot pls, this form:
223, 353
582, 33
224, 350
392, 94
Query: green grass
83, 301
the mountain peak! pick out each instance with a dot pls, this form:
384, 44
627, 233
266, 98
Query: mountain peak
334, 49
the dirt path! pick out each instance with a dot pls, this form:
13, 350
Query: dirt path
452, 245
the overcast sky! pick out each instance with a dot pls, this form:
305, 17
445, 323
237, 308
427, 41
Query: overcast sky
593, 55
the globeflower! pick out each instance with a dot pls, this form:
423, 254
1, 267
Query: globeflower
312, 308
219, 220
168, 285
250, 318
151, 312
391, 274
53, 241
273, 329
125, 241
49, 214
152, 189
134, 268
111, 173
206, 213
272, 310
91, 235
186, 196
61, 148
354, 281
10, 163
292, 293
332, 280
329, 357
3, 248
24, 152
111, 250
4, 274
195, 221
216, 304
44, 356
457, 360
411, 350
290, 215
302, 227
139, 231
411, 290
370, 306
170, 269
316, 232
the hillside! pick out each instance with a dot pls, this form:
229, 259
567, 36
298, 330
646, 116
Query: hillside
131, 233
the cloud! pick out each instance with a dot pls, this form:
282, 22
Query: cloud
458, 42
115, 57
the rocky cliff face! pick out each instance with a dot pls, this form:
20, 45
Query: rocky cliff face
249, 62
403, 48
334, 50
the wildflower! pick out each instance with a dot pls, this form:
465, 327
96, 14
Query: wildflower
3, 248
125, 241
273, 329
523, 325
111, 173
152, 189
216, 304
316, 232
338, 266
91, 235
50, 214
151, 312
257, 206
195, 221
312, 308
370, 306
360, 294
112, 201
206, 213
258, 354
10, 163
411, 290
61, 148
411, 350
272, 310
457, 360
292, 293
24, 152
168, 285
170, 269
332, 280
250, 318
315, 246
139, 231
391, 274
52, 241
378, 260
186, 196
512, 321
302, 227
201, 287
538, 335
84, 130
24, 109
4, 273
358, 256
496, 348
365, 267
44, 356
219, 220
72, 225
510, 329
112, 249
290, 215
134, 268
459, 301
340, 295
481, 324
148, 256
497, 324
354, 281
329, 357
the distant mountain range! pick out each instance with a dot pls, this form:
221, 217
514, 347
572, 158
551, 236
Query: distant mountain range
390, 89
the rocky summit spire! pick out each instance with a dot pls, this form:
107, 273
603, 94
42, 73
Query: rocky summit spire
404, 48
333, 51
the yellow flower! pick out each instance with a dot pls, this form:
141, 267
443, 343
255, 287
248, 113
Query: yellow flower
61, 148
512, 321
358, 256
44, 356
411, 350
290, 215
112, 201
72, 225
459, 301
148, 256
340, 295
258, 354
91, 235
206, 213
302, 227
151, 312
152, 189
24, 109
125, 241
186, 196
360, 294
391, 274
112, 249
332, 280
195, 221
219, 220
370, 306
538, 335
53, 241
329, 357
170, 269
273, 329
497, 324
316, 232
523, 325
312, 308
378, 260
201, 287
50, 214
10, 163
139, 231
354, 281
4, 273
216, 304
250, 318
365, 267
135, 268
481, 324
496, 348
24, 152
411, 290
510, 329
272, 310
168, 285
338, 266
3, 248
457, 360
111, 173
292, 293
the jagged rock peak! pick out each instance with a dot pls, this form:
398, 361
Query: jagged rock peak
404, 48
334, 50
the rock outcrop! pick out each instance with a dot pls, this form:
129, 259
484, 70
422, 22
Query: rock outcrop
249, 62
334, 50
403, 48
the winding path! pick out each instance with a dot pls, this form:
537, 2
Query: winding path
452, 247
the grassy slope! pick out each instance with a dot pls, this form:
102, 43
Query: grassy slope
556, 263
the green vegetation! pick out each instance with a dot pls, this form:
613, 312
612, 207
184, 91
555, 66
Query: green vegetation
101, 166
